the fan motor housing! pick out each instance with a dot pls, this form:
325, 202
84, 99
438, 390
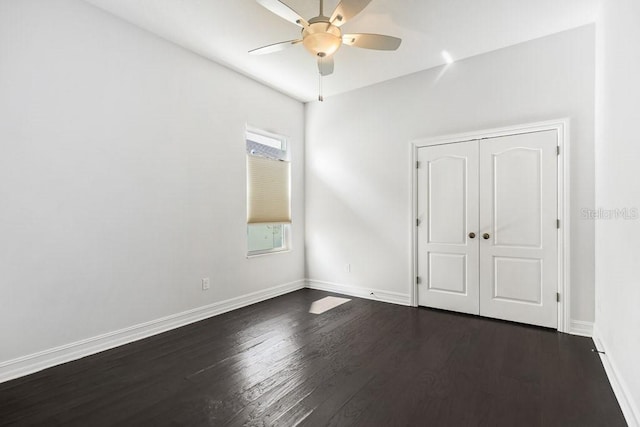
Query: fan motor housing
321, 38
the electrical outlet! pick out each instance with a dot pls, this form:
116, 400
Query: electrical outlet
205, 284
347, 268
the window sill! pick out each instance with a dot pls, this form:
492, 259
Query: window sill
261, 254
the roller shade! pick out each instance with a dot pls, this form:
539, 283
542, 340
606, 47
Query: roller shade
268, 190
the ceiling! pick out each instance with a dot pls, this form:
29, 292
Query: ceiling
224, 31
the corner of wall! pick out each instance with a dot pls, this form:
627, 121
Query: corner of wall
627, 404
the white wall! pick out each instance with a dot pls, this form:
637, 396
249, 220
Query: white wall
122, 177
617, 187
358, 171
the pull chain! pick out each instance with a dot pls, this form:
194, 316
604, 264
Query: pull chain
320, 97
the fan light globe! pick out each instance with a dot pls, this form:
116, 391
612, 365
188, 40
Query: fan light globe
321, 39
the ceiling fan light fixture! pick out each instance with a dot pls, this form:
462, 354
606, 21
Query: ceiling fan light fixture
322, 39
322, 35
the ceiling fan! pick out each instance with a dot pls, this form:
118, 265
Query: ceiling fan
322, 35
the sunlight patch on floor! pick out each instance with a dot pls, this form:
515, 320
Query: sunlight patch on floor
326, 304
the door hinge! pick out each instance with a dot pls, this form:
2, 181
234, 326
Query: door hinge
417, 222
417, 165
557, 296
558, 150
418, 280
557, 223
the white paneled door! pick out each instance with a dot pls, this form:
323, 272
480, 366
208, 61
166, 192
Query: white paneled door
448, 227
487, 240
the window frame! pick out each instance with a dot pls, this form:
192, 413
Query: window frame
286, 228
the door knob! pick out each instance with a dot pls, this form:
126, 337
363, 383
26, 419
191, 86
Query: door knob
486, 236
472, 235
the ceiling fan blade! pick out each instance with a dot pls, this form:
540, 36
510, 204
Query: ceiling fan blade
346, 10
325, 65
284, 12
372, 41
276, 47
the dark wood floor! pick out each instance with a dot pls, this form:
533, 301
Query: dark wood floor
363, 363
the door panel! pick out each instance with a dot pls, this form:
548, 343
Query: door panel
447, 203
518, 262
517, 280
517, 202
448, 210
447, 273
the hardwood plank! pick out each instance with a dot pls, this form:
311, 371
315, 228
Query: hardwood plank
362, 363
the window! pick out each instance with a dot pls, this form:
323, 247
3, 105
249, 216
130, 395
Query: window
268, 193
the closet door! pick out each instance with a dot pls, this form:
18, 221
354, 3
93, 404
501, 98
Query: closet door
448, 228
518, 229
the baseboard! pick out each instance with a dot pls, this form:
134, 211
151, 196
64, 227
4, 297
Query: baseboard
355, 291
627, 404
48, 358
579, 327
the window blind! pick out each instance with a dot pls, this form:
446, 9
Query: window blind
268, 190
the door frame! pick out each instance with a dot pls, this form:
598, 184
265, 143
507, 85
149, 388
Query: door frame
561, 126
